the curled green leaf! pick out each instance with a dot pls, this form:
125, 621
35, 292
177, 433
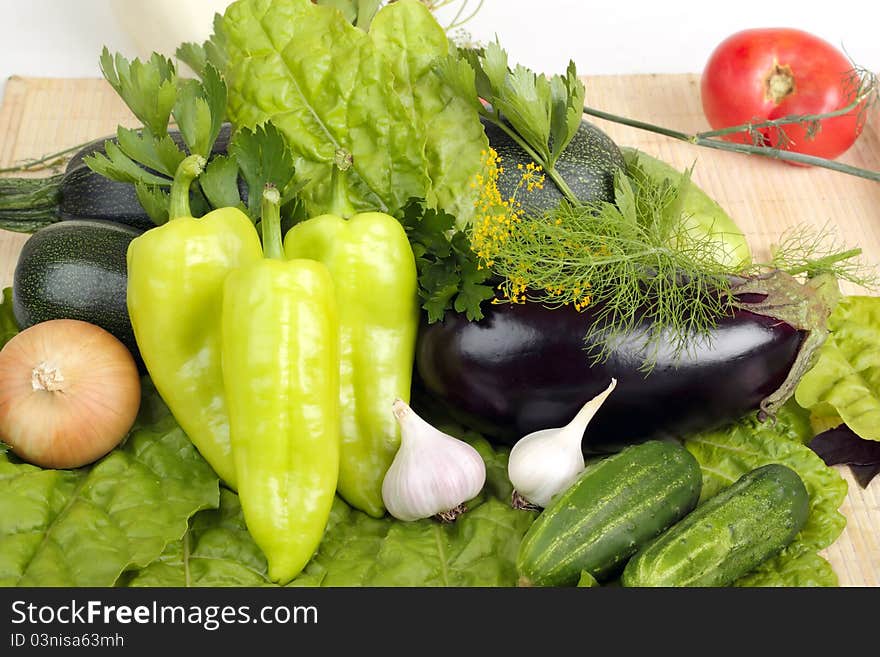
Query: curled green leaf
845, 381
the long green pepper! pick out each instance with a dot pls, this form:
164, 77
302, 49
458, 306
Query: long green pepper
175, 290
281, 376
374, 274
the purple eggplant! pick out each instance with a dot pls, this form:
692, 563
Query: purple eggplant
525, 367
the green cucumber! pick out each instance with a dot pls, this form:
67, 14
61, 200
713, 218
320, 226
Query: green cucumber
727, 536
587, 165
76, 270
616, 505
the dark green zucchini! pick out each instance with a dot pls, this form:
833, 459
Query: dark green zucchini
587, 165
76, 270
727, 536
616, 506
28, 204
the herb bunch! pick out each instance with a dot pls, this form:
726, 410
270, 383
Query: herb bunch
149, 156
626, 259
639, 259
449, 271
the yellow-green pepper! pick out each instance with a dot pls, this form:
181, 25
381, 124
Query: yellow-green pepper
374, 274
175, 288
281, 376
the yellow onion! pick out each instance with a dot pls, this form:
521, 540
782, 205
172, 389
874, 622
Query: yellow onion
69, 393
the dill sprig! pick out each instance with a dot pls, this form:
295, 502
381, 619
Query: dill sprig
638, 264
631, 260
813, 252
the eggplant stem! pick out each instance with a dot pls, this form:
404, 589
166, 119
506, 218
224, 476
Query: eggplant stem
805, 307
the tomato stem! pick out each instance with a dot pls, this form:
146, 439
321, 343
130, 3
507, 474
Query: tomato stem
779, 83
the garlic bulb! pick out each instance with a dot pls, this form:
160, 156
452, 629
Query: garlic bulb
546, 462
432, 472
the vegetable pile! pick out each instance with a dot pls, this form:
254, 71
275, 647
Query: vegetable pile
342, 312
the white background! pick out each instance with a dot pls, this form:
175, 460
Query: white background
64, 37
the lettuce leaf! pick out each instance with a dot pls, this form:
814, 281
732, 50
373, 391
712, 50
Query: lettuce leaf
216, 551
479, 549
86, 527
726, 454
807, 569
413, 43
844, 384
336, 91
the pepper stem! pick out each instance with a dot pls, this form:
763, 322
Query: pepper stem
188, 170
270, 212
340, 205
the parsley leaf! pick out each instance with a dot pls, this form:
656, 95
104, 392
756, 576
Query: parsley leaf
213, 51
116, 165
148, 88
540, 114
219, 182
148, 157
200, 109
158, 153
154, 200
450, 277
264, 157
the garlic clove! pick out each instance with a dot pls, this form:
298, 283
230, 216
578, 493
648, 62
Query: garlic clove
432, 474
546, 462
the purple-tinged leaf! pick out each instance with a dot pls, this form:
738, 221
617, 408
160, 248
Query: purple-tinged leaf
841, 446
865, 473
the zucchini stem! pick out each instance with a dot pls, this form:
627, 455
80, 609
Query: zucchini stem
27, 204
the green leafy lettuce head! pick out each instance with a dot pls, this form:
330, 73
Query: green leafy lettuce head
331, 87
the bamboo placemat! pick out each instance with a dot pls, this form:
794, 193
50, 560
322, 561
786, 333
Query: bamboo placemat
40, 116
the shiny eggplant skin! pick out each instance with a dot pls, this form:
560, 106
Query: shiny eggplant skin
525, 367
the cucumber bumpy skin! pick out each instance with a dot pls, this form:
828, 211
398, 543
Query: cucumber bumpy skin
727, 536
615, 506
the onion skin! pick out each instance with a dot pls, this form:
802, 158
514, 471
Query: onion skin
525, 367
69, 393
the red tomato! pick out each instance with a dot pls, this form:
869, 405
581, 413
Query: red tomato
770, 73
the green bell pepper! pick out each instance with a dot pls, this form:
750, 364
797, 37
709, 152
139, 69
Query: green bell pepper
175, 289
281, 376
374, 273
